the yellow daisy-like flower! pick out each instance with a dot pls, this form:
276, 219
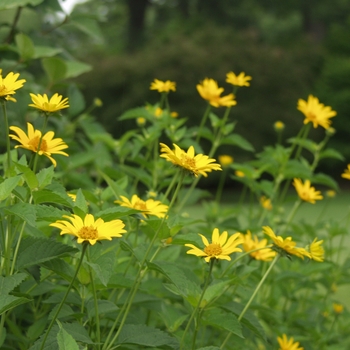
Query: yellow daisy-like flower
285, 246
210, 91
315, 112
316, 250
278, 126
266, 203
148, 207
338, 308
89, 229
31, 140
9, 85
163, 86
225, 160
306, 192
252, 242
238, 80
288, 344
199, 164
346, 173
239, 173
43, 103
219, 248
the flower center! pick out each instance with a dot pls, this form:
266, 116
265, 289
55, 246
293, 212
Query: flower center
311, 116
140, 205
188, 162
88, 232
3, 90
35, 143
213, 249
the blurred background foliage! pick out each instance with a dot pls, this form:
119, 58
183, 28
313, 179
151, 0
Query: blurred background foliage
290, 48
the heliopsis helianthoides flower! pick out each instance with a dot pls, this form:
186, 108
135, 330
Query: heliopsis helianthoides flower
315, 112
285, 246
9, 85
54, 104
220, 247
288, 344
89, 229
278, 126
238, 80
266, 203
196, 165
306, 192
225, 160
338, 308
163, 86
346, 173
148, 207
31, 140
252, 242
316, 250
210, 91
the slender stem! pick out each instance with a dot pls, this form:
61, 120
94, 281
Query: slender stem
204, 119
65, 296
39, 144
220, 186
198, 304
291, 215
97, 317
8, 146
252, 297
170, 187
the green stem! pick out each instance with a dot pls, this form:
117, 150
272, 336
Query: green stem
8, 146
198, 305
204, 119
65, 296
140, 274
39, 144
220, 186
291, 215
97, 316
252, 297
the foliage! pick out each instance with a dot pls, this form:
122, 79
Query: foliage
94, 247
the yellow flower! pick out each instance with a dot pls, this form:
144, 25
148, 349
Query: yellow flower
338, 308
288, 344
239, 173
278, 126
210, 91
30, 141
89, 230
49, 106
73, 196
346, 173
219, 248
98, 102
174, 114
316, 251
9, 85
306, 192
252, 243
163, 86
225, 160
238, 80
315, 112
148, 207
332, 193
141, 121
199, 164
158, 113
266, 203
285, 246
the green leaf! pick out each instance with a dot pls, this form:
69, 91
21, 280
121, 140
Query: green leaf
323, 179
45, 51
78, 332
80, 202
9, 283
8, 185
29, 176
25, 211
60, 267
34, 251
116, 213
76, 101
156, 226
146, 336
8, 4
45, 176
49, 213
87, 25
25, 46
48, 196
238, 140
103, 266
76, 68
223, 320
65, 340
331, 153
8, 302
55, 68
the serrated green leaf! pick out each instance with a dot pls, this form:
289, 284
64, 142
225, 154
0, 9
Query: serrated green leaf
8, 185
49, 213
65, 340
25, 211
146, 336
331, 153
25, 46
9, 283
80, 202
51, 341
34, 251
48, 196
29, 176
103, 266
78, 332
323, 179
45, 177
116, 213
104, 307
8, 302
224, 320
238, 140
55, 68
60, 267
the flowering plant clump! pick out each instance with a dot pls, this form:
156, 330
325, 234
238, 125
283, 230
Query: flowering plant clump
99, 249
